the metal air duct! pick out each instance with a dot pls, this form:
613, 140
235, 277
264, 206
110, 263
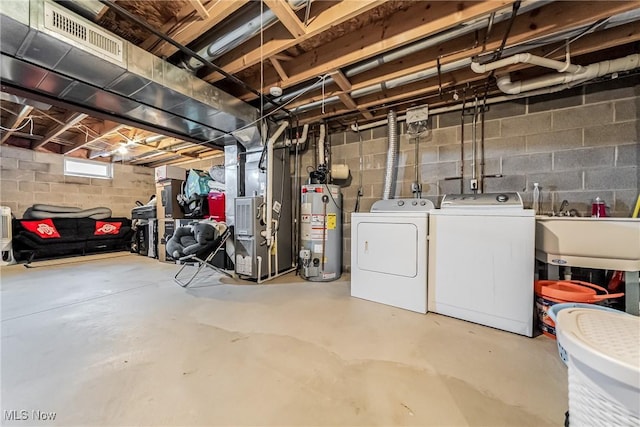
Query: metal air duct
237, 32
392, 157
53, 53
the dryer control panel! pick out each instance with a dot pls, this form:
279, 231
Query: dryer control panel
402, 205
485, 200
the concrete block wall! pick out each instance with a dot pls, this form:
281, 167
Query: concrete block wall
578, 145
28, 177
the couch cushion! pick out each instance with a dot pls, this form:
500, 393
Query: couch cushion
103, 227
43, 228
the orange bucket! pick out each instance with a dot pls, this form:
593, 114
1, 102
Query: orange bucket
551, 292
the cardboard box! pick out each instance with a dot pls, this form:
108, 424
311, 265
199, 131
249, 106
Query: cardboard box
170, 172
166, 227
167, 205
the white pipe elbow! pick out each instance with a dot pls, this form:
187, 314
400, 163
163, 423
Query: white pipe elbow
507, 86
475, 67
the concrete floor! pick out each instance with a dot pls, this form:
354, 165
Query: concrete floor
116, 342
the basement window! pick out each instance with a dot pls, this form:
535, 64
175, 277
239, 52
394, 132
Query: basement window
88, 168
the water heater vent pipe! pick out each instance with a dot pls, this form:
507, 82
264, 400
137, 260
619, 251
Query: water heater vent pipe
269, 202
392, 156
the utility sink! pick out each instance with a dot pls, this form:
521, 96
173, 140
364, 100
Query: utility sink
604, 243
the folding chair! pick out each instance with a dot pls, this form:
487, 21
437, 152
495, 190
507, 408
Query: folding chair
202, 263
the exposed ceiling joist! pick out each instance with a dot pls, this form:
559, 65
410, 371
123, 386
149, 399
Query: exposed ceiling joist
189, 30
585, 45
404, 27
106, 128
279, 69
22, 114
287, 16
277, 39
71, 120
199, 8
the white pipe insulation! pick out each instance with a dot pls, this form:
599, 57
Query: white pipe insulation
269, 202
456, 107
321, 158
583, 74
301, 140
527, 58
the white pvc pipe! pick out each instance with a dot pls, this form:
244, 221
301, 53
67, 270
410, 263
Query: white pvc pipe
456, 107
589, 72
321, 145
301, 140
269, 201
527, 58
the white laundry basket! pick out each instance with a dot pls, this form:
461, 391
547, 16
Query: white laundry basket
603, 352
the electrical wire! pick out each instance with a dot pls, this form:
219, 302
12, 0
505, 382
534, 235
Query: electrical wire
29, 120
334, 200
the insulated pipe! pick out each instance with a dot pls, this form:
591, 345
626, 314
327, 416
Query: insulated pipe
235, 36
494, 100
527, 58
301, 140
589, 72
321, 158
392, 155
269, 201
411, 49
400, 81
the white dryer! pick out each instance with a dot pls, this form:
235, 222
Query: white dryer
481, 260
389, 248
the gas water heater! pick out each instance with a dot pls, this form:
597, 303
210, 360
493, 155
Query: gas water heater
321, 232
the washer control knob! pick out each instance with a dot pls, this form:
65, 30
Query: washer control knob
423, 203
414, 203
501, 198
400, 202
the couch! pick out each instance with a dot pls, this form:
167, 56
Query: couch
57, 237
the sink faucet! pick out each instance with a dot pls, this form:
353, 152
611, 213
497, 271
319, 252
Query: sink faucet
562, 212
563, 205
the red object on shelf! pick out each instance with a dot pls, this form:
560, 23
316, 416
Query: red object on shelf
616, 280
598, 209
216, 202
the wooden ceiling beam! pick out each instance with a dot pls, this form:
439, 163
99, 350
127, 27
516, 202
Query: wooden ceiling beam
287, 16
523, 30
17, 121
278, 39
341, 80
348, 101
106, 128
184, 30
199, 8
69, 121
278, 67
590, 43
548, 20
401, 28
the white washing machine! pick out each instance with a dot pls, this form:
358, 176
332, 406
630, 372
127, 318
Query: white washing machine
389, 248
481, 260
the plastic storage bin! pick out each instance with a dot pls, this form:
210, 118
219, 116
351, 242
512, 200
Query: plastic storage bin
551, 292
603, 356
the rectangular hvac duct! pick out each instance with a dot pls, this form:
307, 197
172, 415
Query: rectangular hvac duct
51, 51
